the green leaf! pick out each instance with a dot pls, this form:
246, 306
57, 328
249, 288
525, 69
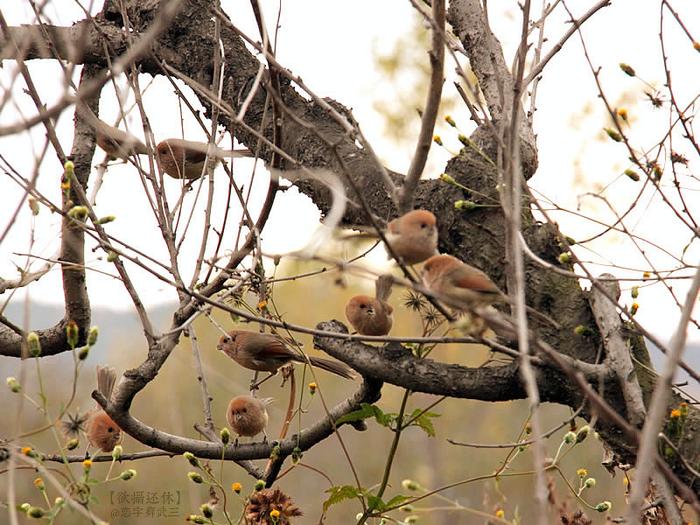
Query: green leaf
424, 422
375, 503
340, 493
365, 412
396, 501
383, 418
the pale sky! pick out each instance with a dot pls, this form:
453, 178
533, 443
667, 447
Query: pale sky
337, 60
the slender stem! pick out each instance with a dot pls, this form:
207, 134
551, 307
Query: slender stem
432, 104
206, 397
390, 458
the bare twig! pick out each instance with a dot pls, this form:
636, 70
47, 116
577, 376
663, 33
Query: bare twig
206, 397
511, 202
575, 25
432, 104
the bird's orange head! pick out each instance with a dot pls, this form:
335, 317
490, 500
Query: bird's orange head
239, 405
440, 263
227, 340
414, 220
362, 304
103, 432
163, 148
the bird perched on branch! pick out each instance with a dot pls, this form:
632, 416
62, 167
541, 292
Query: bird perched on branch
247, 415
118, 144
413, 237
185, 159
459, 284
372, 316
268, 353
465, 287
101, 430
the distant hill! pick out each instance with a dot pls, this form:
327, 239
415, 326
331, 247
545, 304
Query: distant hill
118, 329
112, 323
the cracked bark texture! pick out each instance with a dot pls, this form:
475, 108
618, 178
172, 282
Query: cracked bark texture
477, 237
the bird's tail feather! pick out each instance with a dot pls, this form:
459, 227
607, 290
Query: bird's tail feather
334, 367
382, 287
237, 153
106, 377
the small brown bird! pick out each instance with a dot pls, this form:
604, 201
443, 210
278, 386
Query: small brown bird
458, 284
414, 236
372, 316
118, 144
185, 159
101, 430
267, 353
464, 287
247, 415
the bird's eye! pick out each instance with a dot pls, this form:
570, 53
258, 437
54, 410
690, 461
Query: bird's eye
110, 429
244, 410
363, 306
423, 225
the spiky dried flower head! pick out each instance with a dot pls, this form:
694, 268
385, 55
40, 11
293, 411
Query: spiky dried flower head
414, 301
265, 504
73, 424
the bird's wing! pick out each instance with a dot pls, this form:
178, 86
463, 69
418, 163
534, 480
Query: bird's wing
195, 151
476, 280
272, 345
195, 156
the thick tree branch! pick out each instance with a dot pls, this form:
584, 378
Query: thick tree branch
618, 349
82, 43
369, 392
396, 365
